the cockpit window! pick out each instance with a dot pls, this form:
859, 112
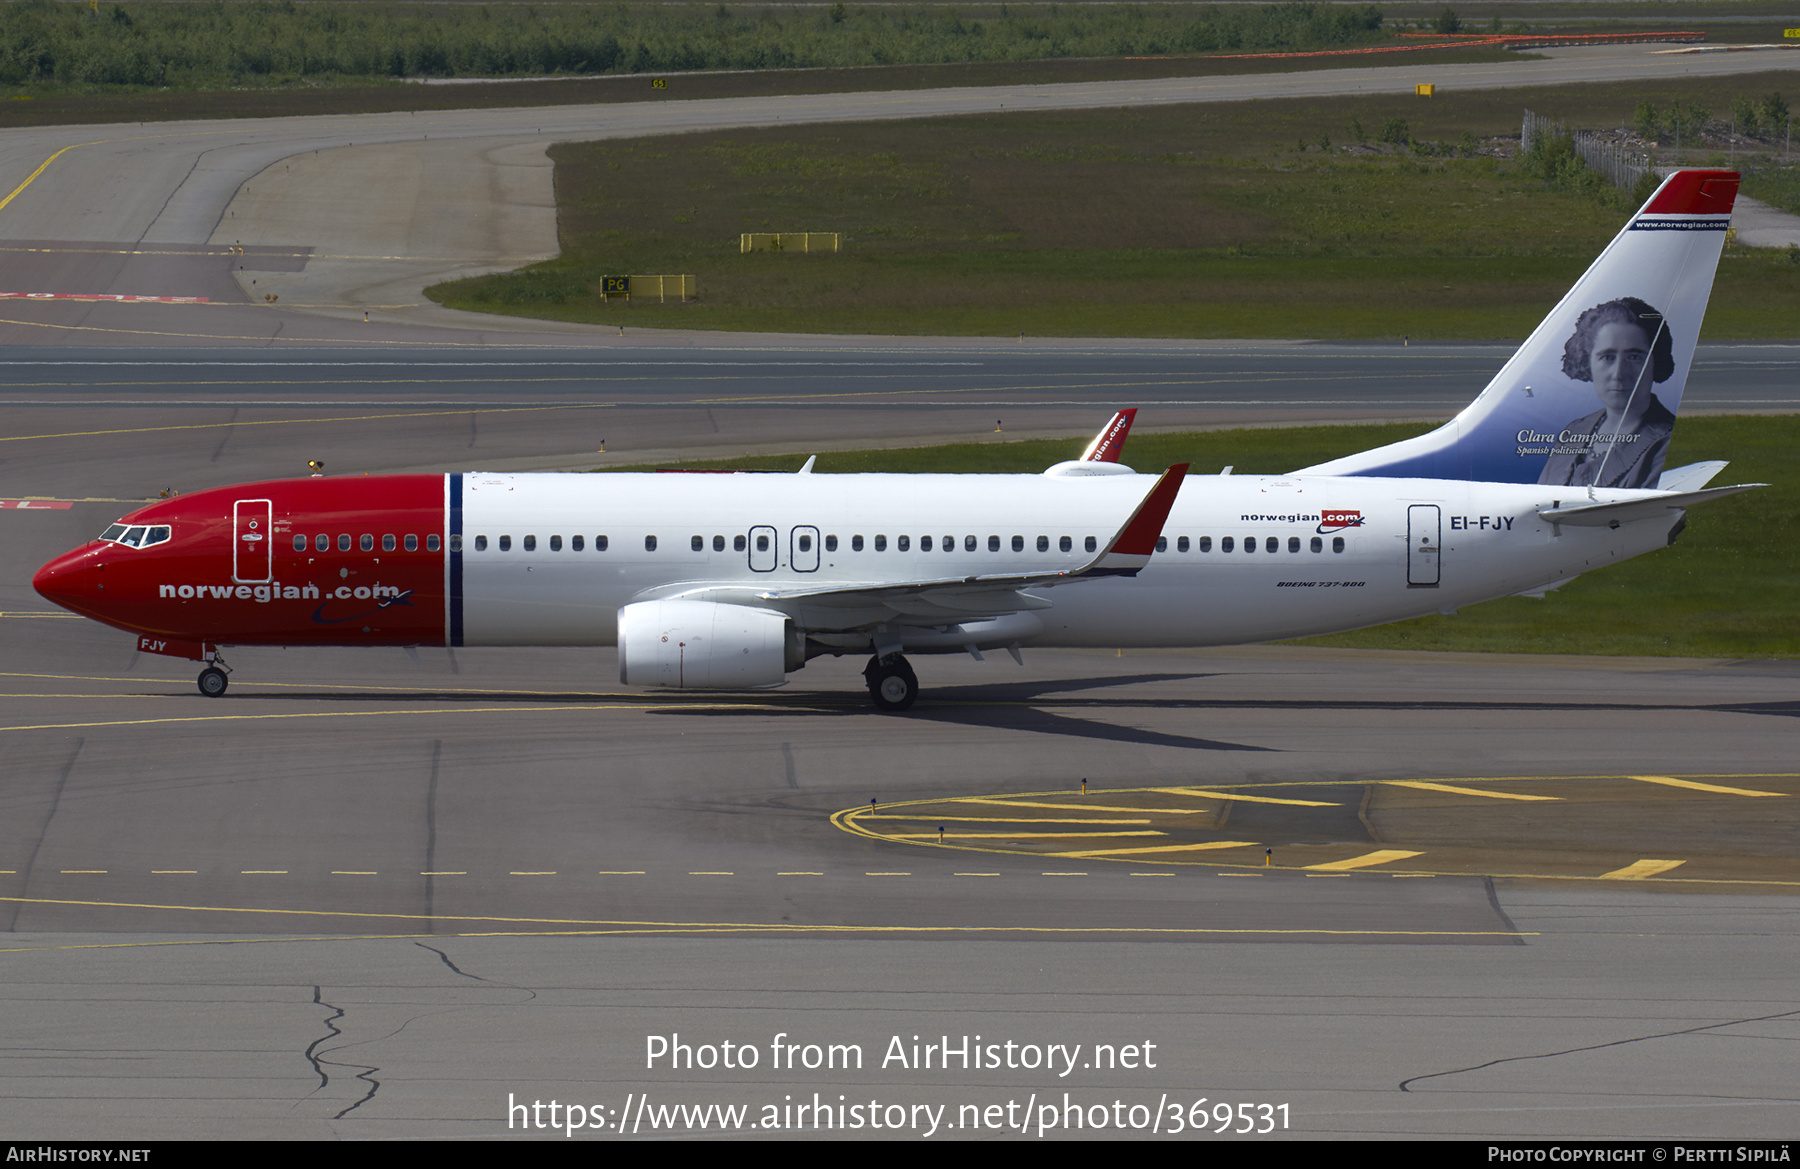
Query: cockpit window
136, 535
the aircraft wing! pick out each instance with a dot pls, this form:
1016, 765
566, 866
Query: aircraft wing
964, 597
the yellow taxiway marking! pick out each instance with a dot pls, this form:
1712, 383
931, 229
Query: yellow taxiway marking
446, 873
262, 872
1212, 795
201, 718
1638, 870
354, 873
1691, 785
538, 873
620, 873
1020, 835
887, 874
1153, 874
101, 872
1062, 874
1380, 857
607, 928
1077, 807
1423, 785
712, 874
1204, 847
799, 874
1010, 819
42, 167
174, 872
975, 874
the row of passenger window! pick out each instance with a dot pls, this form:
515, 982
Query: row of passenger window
322, 543
804, 542
576, 543
880, 543
1270, 544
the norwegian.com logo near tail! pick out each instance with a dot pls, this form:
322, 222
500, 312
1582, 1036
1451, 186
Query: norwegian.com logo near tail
1590, 399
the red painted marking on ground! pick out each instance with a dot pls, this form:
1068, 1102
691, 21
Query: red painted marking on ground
116, 296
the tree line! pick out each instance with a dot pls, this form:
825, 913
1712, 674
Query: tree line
210, 45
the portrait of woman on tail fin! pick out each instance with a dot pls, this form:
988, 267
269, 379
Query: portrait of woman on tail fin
1623, 348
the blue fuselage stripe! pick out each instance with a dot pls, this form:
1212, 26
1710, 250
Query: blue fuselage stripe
455, 599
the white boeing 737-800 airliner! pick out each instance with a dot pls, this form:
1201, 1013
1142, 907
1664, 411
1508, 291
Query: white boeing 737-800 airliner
736, 580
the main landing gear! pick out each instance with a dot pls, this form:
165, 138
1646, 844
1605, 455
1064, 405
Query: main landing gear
892, 683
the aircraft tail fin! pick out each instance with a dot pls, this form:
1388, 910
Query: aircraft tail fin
1109, 444
1590, 398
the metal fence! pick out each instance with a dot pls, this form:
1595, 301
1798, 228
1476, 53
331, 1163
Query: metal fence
1620, 167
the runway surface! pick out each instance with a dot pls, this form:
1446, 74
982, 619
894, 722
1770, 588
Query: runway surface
371, 895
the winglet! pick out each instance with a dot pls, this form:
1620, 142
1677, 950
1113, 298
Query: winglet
1130, 549
1109, 444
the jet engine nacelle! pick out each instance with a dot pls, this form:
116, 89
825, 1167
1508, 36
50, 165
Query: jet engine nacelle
706, 645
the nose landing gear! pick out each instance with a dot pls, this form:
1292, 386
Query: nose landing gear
892, 683
213, 679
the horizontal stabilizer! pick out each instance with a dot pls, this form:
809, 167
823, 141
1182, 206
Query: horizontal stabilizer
1646, 507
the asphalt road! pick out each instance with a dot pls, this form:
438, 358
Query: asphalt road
367, 895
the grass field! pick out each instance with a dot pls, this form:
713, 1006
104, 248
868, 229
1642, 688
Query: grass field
1729, 587
1254, 219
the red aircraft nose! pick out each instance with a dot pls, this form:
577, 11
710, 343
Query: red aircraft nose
75, 580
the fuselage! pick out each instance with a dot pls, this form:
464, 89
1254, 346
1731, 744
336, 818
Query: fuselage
549, 559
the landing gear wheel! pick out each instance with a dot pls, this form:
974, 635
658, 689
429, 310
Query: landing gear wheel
892, 684
212, 681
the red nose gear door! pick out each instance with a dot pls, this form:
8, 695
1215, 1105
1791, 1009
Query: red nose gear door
252, 551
